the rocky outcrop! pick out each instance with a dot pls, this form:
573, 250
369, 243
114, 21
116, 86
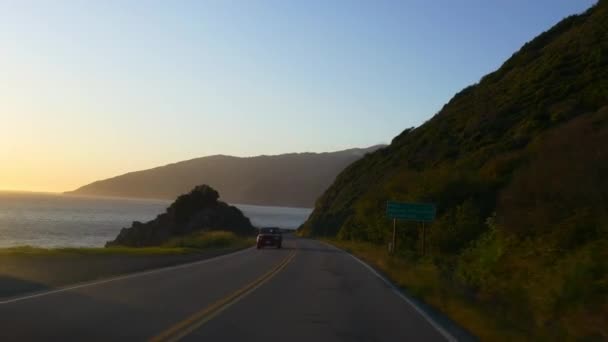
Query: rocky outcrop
198, 210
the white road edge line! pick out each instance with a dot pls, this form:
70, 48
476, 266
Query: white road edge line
123, 277
396, 291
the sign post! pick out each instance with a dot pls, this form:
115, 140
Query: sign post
393, 246
418, 212
423, 238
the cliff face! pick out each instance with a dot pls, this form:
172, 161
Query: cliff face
198, 210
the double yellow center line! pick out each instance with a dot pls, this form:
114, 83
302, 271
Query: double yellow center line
188, 325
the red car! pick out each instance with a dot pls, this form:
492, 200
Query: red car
269, 237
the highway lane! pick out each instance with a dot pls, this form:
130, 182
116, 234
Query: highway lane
305, 291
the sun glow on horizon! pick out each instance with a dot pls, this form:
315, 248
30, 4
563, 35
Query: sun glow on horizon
92, 90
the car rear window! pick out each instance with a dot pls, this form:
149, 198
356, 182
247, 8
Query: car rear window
269, 231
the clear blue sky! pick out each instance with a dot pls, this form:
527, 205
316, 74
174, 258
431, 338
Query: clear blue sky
91, 89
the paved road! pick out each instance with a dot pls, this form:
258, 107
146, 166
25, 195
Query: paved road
306, 291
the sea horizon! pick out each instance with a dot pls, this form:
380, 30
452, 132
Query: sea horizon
44, 219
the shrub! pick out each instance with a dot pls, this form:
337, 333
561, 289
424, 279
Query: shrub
205, 240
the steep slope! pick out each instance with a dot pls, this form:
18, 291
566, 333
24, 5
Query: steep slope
517, 166
560, 75
295, 179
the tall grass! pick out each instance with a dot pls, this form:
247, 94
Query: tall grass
180, 245
563, 300
210, 239
76, 251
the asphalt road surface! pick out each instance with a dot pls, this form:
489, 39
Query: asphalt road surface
307, 291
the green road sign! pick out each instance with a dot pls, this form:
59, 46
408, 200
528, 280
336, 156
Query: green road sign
422, 212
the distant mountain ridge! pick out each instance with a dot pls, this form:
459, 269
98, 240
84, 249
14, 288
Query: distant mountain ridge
293, 179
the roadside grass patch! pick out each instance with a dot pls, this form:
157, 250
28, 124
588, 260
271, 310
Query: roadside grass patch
210, 239
75, 251
188, 244
422, 279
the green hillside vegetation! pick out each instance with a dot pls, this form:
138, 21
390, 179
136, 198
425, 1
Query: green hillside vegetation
517, 166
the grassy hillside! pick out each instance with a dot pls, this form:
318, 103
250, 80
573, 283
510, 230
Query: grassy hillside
294, 179
517, 166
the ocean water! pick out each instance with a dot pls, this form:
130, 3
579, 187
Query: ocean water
54, 220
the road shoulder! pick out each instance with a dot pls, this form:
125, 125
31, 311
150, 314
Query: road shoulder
441, 322
26, 274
